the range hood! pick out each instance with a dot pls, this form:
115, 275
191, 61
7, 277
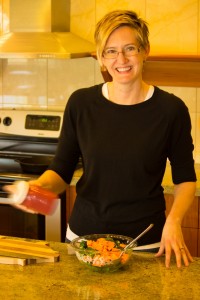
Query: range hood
40, 29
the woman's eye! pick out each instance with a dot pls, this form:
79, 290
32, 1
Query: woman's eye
130, 48
111, 51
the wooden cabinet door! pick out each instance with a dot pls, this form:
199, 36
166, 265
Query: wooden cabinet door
191, 238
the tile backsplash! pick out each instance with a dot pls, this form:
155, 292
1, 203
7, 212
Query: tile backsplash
43, 83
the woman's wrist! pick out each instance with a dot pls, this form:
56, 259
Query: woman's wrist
174, 219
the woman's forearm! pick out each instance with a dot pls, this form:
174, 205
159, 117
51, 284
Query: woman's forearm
183, 197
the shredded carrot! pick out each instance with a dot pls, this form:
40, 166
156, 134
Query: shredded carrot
108, 251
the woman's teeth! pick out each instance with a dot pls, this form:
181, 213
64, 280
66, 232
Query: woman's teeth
124, 69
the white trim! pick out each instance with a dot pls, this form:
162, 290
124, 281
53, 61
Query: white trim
70, 235
147, 247
150, 92
105, 91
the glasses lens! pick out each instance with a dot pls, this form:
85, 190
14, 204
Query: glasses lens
110, 53
128, 51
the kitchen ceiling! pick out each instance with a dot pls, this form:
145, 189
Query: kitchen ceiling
40, 29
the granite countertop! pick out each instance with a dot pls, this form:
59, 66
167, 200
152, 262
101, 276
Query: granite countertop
144, 278
167, 180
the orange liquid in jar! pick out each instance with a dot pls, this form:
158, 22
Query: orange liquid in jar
41, 200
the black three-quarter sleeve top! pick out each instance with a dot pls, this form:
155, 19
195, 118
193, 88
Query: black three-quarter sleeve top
124, 149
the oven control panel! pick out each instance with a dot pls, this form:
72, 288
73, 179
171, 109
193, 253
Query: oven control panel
31, 123
43, 122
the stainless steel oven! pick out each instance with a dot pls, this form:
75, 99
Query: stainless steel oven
28, 134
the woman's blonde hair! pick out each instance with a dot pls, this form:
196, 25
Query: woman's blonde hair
114, 20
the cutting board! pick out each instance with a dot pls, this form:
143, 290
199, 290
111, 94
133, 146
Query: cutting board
21, 252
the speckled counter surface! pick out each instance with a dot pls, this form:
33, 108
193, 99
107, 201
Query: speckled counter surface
167, 180
144, 278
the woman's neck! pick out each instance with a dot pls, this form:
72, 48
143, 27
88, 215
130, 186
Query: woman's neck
127, 94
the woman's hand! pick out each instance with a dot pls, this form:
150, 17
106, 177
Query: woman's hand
172, 241
172, 238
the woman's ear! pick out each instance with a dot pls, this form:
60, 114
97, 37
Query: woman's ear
146, 53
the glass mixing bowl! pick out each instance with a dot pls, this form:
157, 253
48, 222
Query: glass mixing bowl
103, 252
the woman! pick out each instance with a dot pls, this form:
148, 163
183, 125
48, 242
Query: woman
125, 131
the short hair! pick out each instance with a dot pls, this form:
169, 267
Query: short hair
116, 19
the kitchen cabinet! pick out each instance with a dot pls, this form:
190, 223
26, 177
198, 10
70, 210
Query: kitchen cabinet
191, 240
199, 233
173, 70
169, 70
190, 224
198, 254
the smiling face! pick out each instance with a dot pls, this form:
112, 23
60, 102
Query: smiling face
124, 69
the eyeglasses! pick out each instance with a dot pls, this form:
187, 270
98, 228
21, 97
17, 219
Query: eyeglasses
130, 50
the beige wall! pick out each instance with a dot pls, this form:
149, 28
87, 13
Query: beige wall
174, 25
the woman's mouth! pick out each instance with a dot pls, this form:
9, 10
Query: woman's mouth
123, 69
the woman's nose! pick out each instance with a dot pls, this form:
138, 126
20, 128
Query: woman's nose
121, 57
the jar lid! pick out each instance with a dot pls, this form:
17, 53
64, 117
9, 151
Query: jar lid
20, 193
